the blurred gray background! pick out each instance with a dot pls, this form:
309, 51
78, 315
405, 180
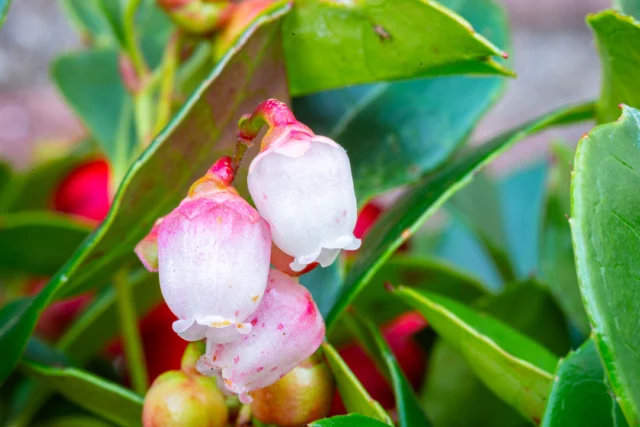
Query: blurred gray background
553, 53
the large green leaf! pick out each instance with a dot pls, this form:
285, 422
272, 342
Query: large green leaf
395, 132
331, 44
420, 201
516, 368
407, 405
606, 241
557, 262
618, 40
630, 7
90, 82
38, 243
160, 178
351, 420
451, 383
580, 394
355, 397
99, 396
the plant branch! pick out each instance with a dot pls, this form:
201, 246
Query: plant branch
130, 333
130, 38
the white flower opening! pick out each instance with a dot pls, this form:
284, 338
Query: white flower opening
304, 189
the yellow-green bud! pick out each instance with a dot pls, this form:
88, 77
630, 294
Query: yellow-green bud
300, 397
191, 355
178, 399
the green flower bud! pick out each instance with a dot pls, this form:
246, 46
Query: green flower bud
178, 399
191, 355
300, 397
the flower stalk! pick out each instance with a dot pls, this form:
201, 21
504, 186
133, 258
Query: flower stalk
130, 333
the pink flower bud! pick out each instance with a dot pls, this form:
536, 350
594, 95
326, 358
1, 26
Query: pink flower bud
213, 259
287, 328
301, 184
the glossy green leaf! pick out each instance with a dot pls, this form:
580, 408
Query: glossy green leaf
88, 335
395, 132
407, 405
606, 241
90, 82
351, 420
516, 368
581, 395
415, 272
451, 383
420, 201
97, 395
324, 285
618, 40
355, 397
38, 243
160, 178
630, 7
330, 44
557, 262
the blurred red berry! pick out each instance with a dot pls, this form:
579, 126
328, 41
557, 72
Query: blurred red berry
411, 357
85, 191
367, 216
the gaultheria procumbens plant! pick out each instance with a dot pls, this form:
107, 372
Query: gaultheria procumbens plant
204, 157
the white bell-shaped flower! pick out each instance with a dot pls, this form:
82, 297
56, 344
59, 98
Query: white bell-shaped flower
302, 185
287, 328
212, 254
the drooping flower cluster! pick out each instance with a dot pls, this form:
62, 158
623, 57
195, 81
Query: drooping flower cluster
213, 251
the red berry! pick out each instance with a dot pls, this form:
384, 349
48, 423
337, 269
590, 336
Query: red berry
85, 191
367, 216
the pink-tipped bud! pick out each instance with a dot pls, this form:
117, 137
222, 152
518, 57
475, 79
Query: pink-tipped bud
178, 399
197, 16
300, 397
212, 254
287, 328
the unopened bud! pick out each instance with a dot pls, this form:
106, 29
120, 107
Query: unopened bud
300, 397
190, 357
197, 16
178, 399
